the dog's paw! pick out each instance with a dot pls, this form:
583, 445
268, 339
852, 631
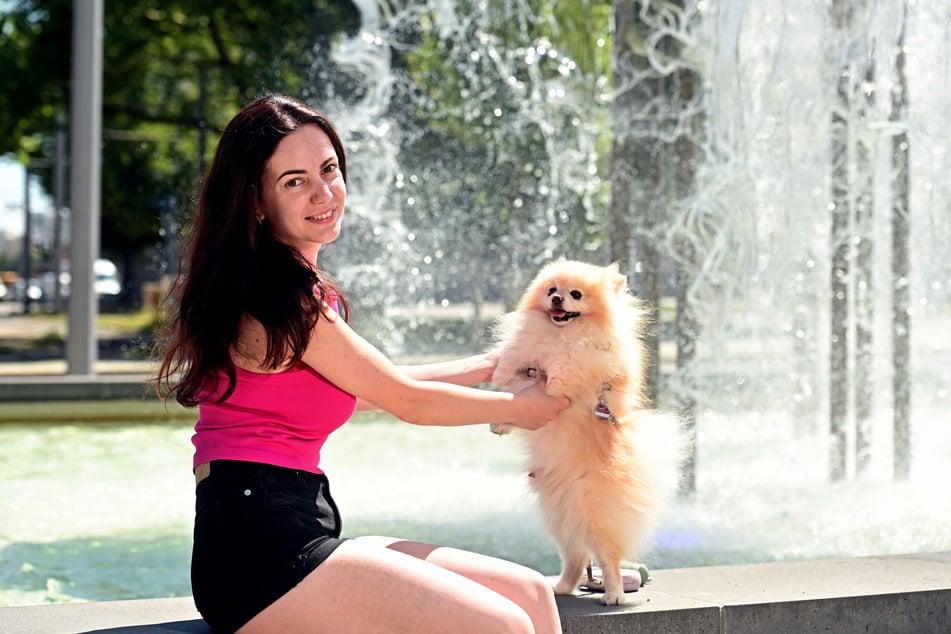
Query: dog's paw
556, 386
613, 598
500, 429
564, 587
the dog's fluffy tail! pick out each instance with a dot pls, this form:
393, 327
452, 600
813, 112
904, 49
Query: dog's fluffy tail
664, 443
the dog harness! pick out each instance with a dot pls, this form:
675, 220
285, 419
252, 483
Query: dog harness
601, 410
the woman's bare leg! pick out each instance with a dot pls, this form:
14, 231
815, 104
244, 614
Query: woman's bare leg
529, 589
386, 585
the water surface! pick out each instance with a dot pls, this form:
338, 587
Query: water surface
103, 511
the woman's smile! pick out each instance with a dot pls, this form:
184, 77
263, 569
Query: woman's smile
322, 216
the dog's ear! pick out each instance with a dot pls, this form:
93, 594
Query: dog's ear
618, 280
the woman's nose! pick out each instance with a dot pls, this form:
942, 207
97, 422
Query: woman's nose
321, 191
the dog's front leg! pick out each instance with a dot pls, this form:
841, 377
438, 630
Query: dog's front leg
514, 376
556, 383
506, 367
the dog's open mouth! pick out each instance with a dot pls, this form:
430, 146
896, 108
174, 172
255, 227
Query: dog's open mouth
560, 316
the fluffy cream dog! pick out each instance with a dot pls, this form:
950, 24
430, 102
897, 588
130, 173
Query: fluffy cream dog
604, 468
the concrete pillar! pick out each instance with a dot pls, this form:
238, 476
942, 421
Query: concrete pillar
86, 133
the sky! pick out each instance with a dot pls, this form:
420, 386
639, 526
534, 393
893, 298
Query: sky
11, 197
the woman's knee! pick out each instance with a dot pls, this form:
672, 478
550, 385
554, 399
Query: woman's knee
531, 583
513, 620
539, 587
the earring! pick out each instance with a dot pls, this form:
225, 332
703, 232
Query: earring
260, 219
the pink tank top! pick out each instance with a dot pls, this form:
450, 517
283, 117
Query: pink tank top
281, 419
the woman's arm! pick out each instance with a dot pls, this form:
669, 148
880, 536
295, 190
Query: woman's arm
351, 363
467, 371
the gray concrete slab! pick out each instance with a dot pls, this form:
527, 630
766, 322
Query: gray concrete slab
894, 594
645, 611
808, 580
68, 387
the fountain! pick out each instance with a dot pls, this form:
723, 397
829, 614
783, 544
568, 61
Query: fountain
486, 157
478, 150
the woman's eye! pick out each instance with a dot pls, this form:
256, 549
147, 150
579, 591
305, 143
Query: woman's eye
294, 182
576, 294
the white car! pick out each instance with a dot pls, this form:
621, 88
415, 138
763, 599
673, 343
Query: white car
107, 278
106, 283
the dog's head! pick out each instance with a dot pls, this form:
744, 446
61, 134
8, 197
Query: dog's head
568, 290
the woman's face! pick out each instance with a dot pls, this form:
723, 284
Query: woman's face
303, 193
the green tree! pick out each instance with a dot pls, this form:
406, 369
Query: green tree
174, 73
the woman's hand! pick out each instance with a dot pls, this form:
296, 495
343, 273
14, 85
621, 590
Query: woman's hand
537, 409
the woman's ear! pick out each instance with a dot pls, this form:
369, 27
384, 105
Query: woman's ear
255, 208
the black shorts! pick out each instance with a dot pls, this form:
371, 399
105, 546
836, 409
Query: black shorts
259, 530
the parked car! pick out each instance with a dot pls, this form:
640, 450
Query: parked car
106, 283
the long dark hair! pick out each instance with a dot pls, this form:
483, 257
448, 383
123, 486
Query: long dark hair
233, 265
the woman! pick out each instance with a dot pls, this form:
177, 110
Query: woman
260, 344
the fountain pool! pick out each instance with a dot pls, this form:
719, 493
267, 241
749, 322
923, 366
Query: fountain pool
102, 511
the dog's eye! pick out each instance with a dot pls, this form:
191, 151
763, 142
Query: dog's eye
576, 294
552, 291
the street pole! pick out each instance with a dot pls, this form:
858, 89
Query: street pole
27, 242
86, 130
59, 193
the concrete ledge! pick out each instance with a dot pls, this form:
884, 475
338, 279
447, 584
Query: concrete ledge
894, 595
74, 387
154, 616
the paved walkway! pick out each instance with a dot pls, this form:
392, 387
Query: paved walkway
18, 327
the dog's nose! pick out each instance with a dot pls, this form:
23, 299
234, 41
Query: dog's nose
557, 300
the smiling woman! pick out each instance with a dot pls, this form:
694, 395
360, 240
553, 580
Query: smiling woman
260, 342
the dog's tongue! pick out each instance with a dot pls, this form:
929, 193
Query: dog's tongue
558, 313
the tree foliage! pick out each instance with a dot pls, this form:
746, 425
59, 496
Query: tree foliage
485, 95
173, 74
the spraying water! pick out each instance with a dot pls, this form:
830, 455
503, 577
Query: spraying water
479, 151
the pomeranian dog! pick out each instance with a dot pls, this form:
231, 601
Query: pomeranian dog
602, 470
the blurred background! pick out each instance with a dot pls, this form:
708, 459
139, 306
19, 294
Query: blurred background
771, 176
